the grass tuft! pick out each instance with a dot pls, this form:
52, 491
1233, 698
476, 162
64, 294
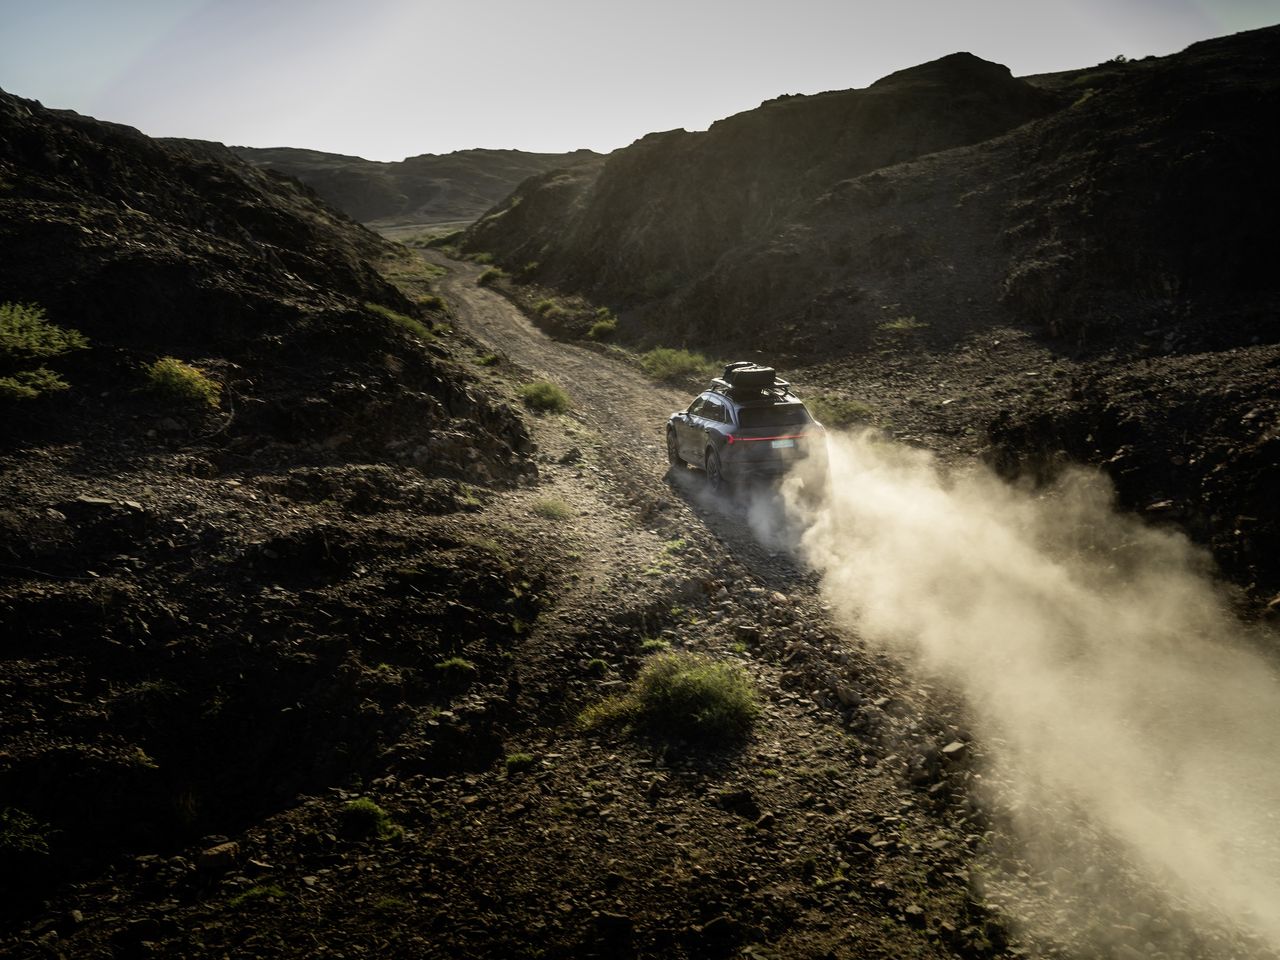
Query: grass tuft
456, 670
604, 328
177, 382
903, 324
409, 324
444, 239
552, 509
364, 818
545, 396
683, 695
490, 276
666, 363
519, 762
268, 891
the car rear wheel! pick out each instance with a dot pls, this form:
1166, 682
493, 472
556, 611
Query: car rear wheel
715, 476
673, 449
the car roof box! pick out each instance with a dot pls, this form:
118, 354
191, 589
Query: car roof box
748, 377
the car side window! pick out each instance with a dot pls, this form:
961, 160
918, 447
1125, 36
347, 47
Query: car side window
715, 410
698, 408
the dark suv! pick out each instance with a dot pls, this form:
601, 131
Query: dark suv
748, 424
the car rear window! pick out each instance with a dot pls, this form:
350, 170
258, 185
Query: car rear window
775, 415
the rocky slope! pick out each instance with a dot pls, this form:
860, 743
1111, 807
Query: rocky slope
188, 637
1117, 215
651, 223
429, 188
950, 183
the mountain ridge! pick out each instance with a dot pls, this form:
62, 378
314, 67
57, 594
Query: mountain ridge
427, 188
949, 182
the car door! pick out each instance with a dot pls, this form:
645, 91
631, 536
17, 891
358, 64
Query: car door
715, 416
690, 432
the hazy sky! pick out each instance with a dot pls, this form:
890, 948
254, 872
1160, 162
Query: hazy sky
387, 79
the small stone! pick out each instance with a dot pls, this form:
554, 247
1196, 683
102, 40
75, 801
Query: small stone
847, 696
767, 821
219, 858
955, 749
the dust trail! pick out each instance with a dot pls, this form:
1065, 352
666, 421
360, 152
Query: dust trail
1097, 656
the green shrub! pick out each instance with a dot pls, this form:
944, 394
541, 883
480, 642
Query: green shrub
29, 384
685, 695
665, 363
364, 818
597, 667
544, 395
431, 302
517, 762
492, 275
837, 412
542, 306
456, 670
654, 645
26, 339
603, 328
488, 360
181, 383
552, 509
481, 258
410, 324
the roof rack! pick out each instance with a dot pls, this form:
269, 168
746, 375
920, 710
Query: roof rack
778, 390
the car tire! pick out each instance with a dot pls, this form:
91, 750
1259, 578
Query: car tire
715, 476
673, 449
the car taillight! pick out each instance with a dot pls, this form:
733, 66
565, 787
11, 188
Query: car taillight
730, 438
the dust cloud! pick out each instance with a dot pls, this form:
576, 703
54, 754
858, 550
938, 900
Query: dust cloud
1129, 719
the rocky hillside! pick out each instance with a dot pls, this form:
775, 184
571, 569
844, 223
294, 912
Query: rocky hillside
1114, 220
1138, 189
236, 416
424, 189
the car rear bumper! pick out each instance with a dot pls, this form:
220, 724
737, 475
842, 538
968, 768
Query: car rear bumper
772, 467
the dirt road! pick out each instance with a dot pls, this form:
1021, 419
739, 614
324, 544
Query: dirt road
824, 774
627, 413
